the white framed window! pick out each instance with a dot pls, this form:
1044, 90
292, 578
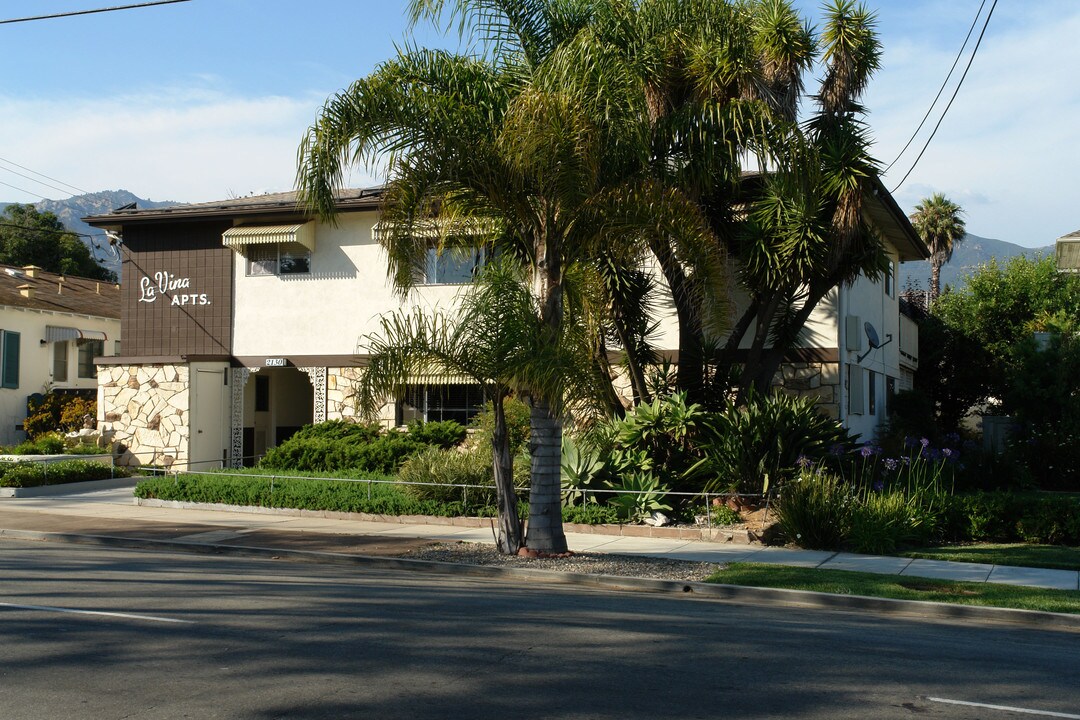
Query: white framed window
455, 266
431, 403
890, 279
278, 259
88, 350
60, 361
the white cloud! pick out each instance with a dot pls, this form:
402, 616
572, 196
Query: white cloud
188, 144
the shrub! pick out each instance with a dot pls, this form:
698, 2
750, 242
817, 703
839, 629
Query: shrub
318, 452
56, 411
333, 430
639, 495
766, 438
517, 425
45, 444
34, 474
591, 514
814, 511
437, 469
444, 434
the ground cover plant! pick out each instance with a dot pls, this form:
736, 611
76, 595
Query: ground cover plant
35, 474
842, 582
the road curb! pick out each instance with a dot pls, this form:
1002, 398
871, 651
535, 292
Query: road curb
774, 597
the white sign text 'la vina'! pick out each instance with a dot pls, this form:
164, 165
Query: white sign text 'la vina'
165, 283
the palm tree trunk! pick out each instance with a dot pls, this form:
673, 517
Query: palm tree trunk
545, 532
936, 261
509, 537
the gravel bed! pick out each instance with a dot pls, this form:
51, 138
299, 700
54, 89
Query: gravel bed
591, 563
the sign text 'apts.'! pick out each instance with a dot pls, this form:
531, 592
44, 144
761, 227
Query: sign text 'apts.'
166, 284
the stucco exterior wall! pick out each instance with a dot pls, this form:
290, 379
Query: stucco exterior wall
326, 311
36, 361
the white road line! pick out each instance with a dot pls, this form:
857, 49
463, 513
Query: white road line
1005, 708
46, 608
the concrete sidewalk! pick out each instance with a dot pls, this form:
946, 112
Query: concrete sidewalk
113, 512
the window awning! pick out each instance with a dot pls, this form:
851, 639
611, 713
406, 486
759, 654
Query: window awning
54, 333
243, 235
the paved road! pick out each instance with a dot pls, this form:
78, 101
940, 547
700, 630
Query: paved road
213, 637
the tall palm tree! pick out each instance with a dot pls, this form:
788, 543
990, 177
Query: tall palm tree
494, 150
939, 223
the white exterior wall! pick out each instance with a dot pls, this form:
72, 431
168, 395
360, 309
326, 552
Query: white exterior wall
868, 301
326, 311
36, 360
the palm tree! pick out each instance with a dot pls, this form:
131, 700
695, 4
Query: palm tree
494, 150
939, 223
494, 339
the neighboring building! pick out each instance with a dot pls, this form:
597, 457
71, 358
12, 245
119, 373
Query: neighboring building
242, 319
1068, 252
53, 328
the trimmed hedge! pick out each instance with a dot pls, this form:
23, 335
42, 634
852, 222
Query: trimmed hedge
35, 474
301, 493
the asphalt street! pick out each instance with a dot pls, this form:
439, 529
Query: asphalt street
105, 633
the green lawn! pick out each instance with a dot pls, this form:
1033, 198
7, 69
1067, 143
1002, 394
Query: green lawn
842, 582
1037, 556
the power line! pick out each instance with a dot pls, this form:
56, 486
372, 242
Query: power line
91, 12
29, 170
941, 89
957, 90
39, 182
53, 232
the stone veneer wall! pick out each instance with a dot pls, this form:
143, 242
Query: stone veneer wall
340, 404
813, 379
145, 408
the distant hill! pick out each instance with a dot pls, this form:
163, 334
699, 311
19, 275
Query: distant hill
969, 254
73, 209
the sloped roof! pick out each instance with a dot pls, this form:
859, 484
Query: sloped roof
59, 293
269, 205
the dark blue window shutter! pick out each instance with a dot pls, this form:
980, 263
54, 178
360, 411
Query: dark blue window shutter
10, 370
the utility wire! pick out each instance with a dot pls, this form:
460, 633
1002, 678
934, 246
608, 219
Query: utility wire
91, 12
35, 172
941, 89
957, 90
39, 182
53, 232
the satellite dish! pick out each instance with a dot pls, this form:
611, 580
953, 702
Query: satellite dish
873, 340
872, 336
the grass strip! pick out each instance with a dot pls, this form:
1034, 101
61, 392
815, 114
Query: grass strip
844, 582
1055, 557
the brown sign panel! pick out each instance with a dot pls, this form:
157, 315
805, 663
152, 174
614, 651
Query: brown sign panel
177, 287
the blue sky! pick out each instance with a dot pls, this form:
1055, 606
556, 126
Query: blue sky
208, 99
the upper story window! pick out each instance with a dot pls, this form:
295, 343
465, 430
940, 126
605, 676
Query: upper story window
273, 249
278, 259
890, 279
456, 266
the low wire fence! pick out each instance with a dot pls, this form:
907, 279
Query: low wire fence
708, 500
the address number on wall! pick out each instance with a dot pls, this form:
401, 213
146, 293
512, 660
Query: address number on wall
274, 362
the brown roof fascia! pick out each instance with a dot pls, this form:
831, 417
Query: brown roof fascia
278, 206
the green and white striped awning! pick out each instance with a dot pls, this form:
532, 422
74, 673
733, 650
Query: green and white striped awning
243, 235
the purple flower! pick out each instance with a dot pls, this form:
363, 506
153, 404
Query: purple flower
867, 450
879, 486
925, 442
837, 449
947, 452
803, 461
891, 463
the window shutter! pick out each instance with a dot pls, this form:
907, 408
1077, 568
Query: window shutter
10, 371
